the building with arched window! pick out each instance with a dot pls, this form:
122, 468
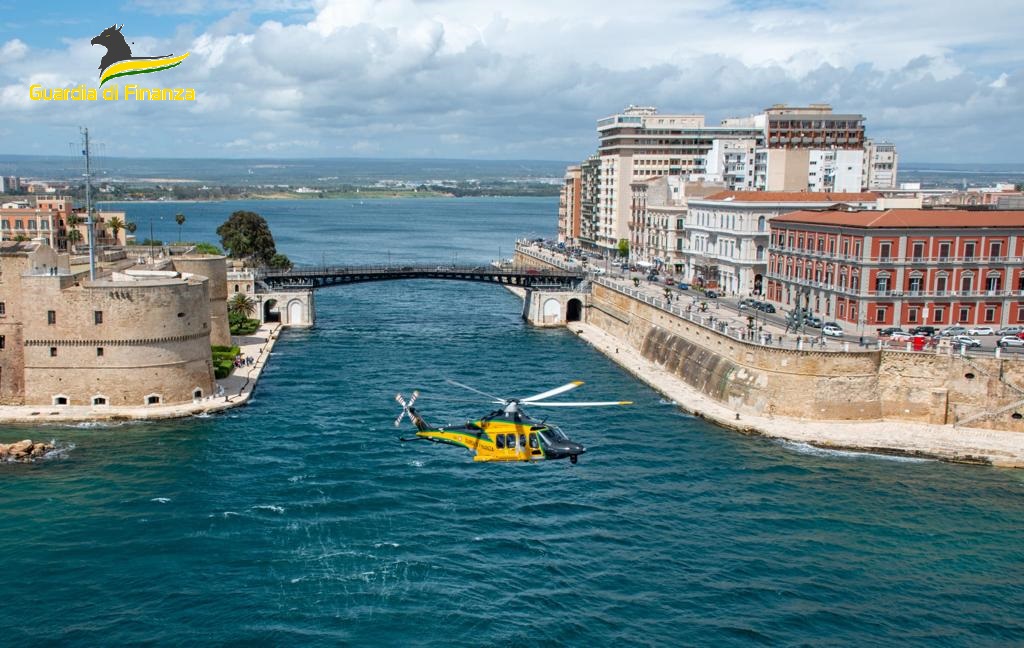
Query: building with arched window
900, 267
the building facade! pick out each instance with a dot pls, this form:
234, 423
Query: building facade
901, 267
52, 218
590, 186
570, 207
658, 223
726, 239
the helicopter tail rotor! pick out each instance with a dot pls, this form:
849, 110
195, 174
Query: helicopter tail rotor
407, 410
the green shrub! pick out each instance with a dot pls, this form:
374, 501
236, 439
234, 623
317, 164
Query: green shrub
244, 326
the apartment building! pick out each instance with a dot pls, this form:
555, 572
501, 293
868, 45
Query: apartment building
50, 218
900, 267
726, 239
570, 207
658, 220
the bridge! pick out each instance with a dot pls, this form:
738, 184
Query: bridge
305, 277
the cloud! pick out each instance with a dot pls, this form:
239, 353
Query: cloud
455, 78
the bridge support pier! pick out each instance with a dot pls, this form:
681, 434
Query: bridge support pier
547, 308
295, 308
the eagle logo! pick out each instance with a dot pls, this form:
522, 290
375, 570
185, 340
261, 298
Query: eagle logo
119, 62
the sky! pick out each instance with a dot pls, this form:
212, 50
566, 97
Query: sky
476, 79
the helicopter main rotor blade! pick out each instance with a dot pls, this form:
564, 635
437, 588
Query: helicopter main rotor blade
594, 404
475, 390
552, 392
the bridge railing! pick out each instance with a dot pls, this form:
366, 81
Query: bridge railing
303, 271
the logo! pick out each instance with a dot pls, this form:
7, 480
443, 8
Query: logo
119, 62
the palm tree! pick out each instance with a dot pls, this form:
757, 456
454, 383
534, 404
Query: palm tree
242, 304
180, 220
116, 225
130, 227
74, 236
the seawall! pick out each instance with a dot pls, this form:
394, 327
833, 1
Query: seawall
860, 392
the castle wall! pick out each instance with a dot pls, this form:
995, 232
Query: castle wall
154, 339
213, 267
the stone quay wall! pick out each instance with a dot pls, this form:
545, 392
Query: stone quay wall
750, 378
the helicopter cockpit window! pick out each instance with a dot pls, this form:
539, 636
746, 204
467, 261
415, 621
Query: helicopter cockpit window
499, 441
554, 434
533, 441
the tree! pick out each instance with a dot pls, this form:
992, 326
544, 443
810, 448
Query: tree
241, 304
116, 225
280, 262
246, 235
74, 236
180, 220
623, 248
131, 227
207, 248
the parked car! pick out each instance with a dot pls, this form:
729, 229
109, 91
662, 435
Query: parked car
711, 294
764, 306
813, 322
965, 341
1010, 341
832, 329
981, 330
889, 330
1010, 330
683, 286
669, 281
924, 330
901, 336
950, 331
747, 303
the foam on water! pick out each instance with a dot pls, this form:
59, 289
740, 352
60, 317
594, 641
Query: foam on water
818, 451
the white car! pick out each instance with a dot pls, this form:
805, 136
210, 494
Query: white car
981, 330
832, 330
965, 341
1010, 341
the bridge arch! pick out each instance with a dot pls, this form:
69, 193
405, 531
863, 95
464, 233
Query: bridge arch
574, 310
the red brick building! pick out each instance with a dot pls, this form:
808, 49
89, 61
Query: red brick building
900, 267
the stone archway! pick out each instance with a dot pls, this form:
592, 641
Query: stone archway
574, 310
270, 312
295, 312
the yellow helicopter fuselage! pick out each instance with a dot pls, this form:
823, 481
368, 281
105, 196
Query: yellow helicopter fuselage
496, 439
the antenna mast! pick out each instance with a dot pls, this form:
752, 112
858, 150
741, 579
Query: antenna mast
88, 203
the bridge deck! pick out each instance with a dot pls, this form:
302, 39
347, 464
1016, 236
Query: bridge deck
321, 276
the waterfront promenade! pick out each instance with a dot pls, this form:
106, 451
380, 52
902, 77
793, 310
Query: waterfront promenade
232, 391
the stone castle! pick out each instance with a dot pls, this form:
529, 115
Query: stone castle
131, 337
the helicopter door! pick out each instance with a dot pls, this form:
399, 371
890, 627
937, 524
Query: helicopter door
535, 451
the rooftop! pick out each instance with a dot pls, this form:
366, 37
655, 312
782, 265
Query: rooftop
907, 218
792, 197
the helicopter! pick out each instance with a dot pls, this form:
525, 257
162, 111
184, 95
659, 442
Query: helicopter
507, 433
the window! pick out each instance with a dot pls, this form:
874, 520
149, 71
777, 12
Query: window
880, 315
534, 445
3, 309
51, 317
99, 400
965, 283
882, 283
856, 249
993, 282
914, 285
940, 284
944, 250
996, 249
912, 315
99, 352
197, 394
3, 341
969, 250
499, 441
884, 251
937, 315
965, 314
97, 317
60, 400
918, 250
990, 314
53, 352
152, 399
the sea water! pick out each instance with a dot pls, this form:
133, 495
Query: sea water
302, 520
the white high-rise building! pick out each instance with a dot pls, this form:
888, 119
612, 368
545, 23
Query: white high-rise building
881, 162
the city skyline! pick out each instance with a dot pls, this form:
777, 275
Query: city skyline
452, 79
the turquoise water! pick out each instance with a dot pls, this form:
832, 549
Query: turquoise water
300, 519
